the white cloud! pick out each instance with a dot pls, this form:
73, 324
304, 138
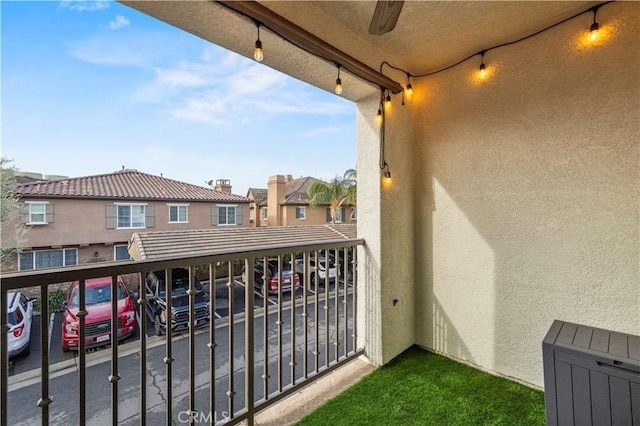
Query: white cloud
119, 22
85, 5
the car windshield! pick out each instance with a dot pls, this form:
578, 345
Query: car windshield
96, 295
179, 287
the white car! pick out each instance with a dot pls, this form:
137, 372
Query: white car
318, 272
20, 315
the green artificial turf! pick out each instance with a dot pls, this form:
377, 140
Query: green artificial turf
422, 388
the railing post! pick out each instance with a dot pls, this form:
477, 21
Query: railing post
114, 377
142, 306
168, 359
192, 345
82, 349
249, 383
45, 399
4, 356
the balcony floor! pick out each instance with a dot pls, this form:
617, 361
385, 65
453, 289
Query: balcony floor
423, 388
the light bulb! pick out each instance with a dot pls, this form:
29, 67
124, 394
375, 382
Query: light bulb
387, 102
409, 90
482, 72
379, 117
338, 86
387, 177
258, 55
594, 31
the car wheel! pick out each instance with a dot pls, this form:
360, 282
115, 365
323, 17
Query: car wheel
27, 350
156, 326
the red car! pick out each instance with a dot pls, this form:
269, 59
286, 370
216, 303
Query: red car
98, 320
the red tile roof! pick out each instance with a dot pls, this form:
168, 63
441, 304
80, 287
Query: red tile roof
125, 185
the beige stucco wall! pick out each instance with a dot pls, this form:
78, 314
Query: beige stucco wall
79, 222
527, 204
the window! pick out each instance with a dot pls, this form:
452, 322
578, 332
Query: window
252, 214
301, 212
47, 259
121, 252
354, 214
339, 215
178, 213
131, 216
226, 215
122, 216
264, 213
37, 213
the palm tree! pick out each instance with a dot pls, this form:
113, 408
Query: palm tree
338, 192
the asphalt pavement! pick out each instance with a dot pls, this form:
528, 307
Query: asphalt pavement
228, 368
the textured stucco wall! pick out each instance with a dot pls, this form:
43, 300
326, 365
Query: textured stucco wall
385, 221
527, 197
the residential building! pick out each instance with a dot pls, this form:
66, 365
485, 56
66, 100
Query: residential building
90, 219
286, 203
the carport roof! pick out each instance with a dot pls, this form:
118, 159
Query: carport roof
202, 242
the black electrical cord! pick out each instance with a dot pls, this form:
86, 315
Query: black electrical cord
593, 9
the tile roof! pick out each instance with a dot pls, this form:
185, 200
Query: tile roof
259, 195
172, 244
125, 185
297, 190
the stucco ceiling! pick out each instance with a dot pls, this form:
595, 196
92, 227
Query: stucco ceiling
428, 35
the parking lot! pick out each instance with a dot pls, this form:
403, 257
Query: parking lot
24, 363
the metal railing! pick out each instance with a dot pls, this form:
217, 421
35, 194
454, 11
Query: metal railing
262, 342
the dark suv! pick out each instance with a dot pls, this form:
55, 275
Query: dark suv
157, 301
271, 273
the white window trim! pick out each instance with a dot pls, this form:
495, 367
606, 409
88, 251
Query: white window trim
44, 222
304, 213
114, 252
169, 205
235, 206
132, 204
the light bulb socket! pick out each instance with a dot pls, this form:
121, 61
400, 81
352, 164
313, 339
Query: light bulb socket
387, 174
482, 67
409, 88
388, 99
595, 27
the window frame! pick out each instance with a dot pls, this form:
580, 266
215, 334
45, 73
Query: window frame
130, 205
226, 216
177, 206
115, 247
303, 211
43, 204
33, 258
264, 213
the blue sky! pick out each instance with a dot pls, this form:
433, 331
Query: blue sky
89, 87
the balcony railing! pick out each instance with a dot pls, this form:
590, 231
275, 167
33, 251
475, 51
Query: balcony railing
258, 347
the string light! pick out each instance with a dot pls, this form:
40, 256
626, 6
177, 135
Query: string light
482, 71
258, 55
387, 176
595, 27
409, 89
387, 102
338, 89
379, 117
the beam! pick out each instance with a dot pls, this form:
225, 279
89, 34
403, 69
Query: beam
309, 42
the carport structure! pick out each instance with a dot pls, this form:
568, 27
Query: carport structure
515, 196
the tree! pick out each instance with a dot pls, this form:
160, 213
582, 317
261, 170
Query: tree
338, 192
12, 228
